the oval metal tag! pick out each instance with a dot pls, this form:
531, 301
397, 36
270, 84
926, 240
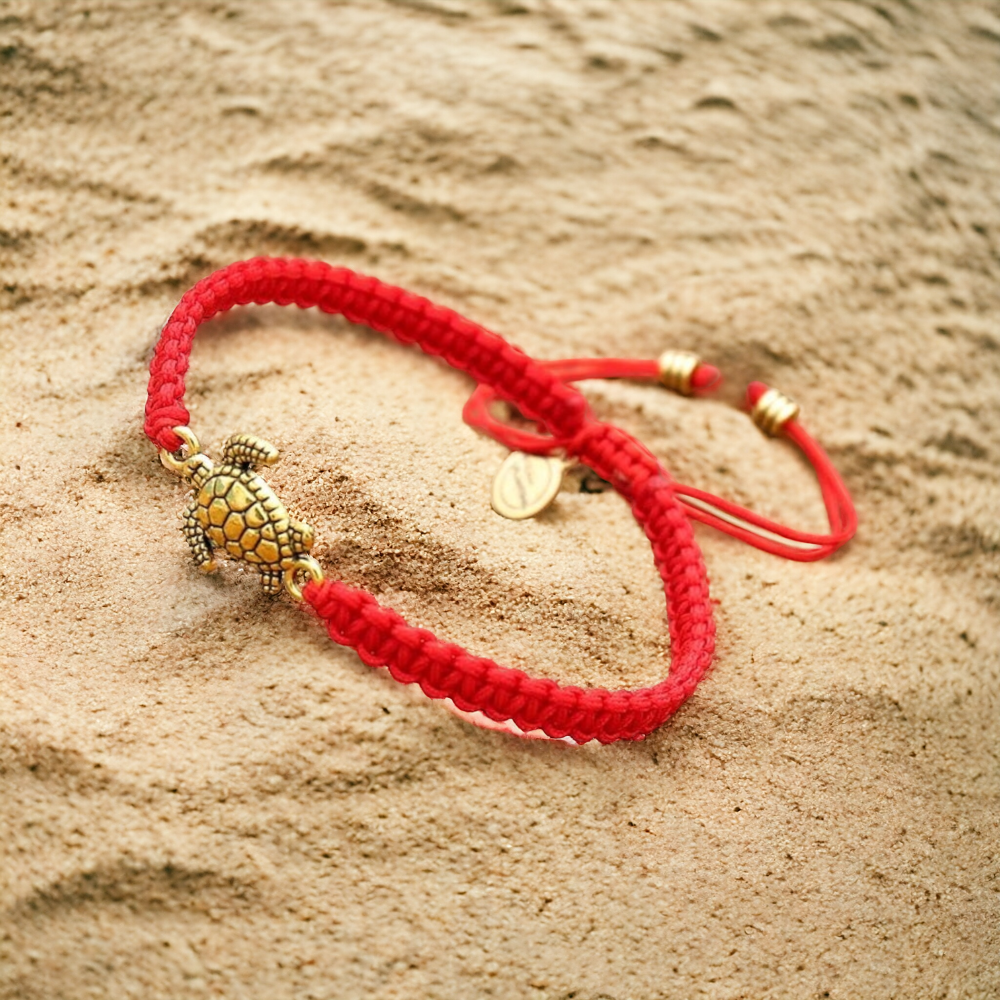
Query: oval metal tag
526, 484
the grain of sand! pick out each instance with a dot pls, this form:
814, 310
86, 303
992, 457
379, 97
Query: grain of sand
202, 797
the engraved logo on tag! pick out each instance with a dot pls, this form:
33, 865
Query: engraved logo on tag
526, 484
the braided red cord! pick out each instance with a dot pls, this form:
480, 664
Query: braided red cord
394, 311
381, 637
741, 523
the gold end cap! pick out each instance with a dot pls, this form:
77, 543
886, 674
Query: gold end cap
773, 410
676, 369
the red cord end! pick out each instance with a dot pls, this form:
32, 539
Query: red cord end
705, 379
754, 391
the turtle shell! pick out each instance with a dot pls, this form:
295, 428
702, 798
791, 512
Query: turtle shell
241, 515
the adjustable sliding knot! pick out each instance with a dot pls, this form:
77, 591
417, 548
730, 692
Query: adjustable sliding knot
771, 410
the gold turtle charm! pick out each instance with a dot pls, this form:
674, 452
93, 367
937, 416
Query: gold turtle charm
233, 510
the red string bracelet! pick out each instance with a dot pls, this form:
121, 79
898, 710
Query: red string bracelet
685, 373
234, 511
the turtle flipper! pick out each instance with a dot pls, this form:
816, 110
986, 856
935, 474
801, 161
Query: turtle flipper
302, 536
194, 533
245, 449
272, 581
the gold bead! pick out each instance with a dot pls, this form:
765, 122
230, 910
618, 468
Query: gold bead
773, 410
676, 369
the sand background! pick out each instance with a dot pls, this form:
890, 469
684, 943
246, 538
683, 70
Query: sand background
201, 796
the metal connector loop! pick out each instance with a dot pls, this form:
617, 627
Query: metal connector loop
177, 461
306, 565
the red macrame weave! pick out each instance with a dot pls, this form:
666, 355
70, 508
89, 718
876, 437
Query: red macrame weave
381, 637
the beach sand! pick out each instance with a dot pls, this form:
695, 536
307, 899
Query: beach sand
202, 796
